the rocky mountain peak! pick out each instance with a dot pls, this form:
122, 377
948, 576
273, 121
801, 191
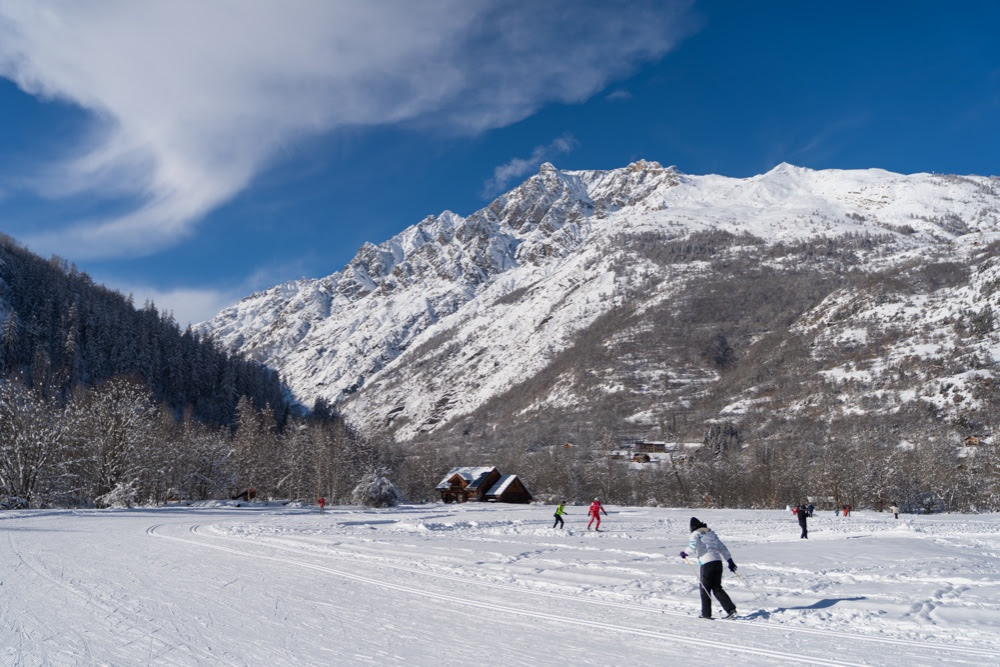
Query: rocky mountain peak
455, 312
547, 168
645, 165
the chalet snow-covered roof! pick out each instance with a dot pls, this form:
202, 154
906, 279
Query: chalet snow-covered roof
501, 486
474, 476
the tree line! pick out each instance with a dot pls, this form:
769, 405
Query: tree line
858, 462
113, 445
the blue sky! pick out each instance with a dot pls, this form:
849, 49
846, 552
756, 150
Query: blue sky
194, 152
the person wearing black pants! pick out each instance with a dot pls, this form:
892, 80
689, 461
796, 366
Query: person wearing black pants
710, 551
803, 514
560, 508
711, 582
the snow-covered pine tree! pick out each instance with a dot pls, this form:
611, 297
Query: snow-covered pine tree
376, 492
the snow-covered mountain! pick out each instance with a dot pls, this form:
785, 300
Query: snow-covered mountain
624, 296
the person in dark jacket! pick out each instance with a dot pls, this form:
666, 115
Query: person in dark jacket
710, 551
803, 515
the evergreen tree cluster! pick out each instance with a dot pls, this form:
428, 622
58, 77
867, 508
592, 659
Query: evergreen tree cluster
61, 331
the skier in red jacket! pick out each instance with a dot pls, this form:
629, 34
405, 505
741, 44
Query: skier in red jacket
595, 513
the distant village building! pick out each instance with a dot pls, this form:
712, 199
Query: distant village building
651, 447
462, 485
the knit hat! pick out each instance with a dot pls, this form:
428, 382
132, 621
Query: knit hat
695, 524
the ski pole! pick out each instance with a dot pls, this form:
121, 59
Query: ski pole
750, 588
700, 583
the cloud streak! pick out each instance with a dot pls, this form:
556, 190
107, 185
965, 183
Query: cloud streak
191, 100
193, 305
188, 306
517, 168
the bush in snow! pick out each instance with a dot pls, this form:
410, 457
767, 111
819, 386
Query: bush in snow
377, 492
13, 503
123, 495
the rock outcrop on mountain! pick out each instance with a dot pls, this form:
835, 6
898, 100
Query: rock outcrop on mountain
647, 301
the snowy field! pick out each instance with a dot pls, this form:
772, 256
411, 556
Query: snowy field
489, 584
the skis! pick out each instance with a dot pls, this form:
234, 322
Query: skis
733, 617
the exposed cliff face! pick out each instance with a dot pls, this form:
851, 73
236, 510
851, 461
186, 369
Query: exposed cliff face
455, 314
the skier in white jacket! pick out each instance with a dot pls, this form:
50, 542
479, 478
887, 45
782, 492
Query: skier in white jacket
706, 546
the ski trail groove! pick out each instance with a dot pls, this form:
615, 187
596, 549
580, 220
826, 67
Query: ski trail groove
680, 639
771, 625
112, 613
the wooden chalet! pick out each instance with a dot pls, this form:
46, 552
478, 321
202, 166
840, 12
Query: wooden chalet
461, 485
510, 489
651, 447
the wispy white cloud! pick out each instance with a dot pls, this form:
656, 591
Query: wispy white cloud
187, 305
518, 167
191, 305
619, 95
192, 99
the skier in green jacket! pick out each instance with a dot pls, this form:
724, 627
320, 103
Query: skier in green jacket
560, 508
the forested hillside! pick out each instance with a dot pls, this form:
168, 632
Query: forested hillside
105, 404
60, 331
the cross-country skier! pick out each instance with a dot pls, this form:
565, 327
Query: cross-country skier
560, 508
803, 514
895, 510
595, 513
710, 551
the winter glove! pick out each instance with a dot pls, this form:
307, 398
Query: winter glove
684, 555
732, 565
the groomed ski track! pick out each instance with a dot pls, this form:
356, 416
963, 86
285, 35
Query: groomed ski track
906, 652
226, 586
559, 620
766, 625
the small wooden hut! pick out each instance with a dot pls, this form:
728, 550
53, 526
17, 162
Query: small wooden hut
510, 489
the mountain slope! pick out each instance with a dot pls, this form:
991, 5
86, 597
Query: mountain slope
642, 299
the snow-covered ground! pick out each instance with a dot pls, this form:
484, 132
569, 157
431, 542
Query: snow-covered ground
489, 584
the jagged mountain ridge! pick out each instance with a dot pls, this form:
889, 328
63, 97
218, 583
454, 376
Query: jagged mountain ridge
454, 314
